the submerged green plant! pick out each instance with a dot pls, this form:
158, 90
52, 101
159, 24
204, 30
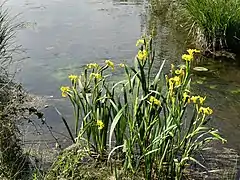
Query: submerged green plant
145, 115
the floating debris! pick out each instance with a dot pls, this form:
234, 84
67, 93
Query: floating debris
200, 69
213, 86
199, 82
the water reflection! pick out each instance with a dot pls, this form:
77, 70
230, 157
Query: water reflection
58, 44
221, 84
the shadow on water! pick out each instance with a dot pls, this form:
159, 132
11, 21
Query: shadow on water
221, 84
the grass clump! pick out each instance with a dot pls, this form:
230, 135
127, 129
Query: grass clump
141, 121
12, 159
74, 163
13, 162
214, 23
11, 156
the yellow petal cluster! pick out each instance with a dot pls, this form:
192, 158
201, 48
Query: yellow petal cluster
189, 56
205, 111
202, 99
142, 55
186, 97
73, 77
179, 71
110, 64
140, 42
195, 99
176, 80
192, 51
172, 83
95, 75
154, 101
100, 124
92, 65
65, 90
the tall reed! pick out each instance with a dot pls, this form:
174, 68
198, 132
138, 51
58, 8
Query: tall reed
214, 23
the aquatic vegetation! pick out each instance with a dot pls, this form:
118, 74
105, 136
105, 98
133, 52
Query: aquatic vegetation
236, 91
142, 119
214, 24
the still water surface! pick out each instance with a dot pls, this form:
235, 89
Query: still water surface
60, 36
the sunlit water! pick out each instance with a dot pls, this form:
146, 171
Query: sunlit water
61, 36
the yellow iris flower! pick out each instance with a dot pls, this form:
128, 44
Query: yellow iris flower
194, 99
179, 71
185, 97
92, 65
205, 111
100, 124
154, 101
176, 80
187, 57
65, 90
96, 75
202, 99
73, 77
192, 51
140, 42
142, 55
110, 64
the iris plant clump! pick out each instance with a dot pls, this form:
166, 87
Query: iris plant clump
141, 120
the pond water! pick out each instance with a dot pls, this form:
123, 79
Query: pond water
61, 36
221, 84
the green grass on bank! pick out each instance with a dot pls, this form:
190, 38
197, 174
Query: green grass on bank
213, 24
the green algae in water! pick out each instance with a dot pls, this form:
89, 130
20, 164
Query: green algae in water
213, 86
199, 82
236, 91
